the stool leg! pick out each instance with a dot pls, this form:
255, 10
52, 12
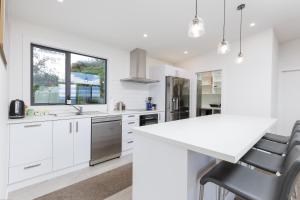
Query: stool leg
224, 194
201, 195
219, 197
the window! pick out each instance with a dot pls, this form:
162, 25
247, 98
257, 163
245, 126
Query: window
59, 75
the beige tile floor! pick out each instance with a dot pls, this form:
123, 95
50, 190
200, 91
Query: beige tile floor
123, 195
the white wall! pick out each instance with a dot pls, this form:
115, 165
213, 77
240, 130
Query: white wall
289, 86
22, 34
3, 121
3, 130
246, 88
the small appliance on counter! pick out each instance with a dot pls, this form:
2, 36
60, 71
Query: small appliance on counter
149, 103
17, 109
120, 106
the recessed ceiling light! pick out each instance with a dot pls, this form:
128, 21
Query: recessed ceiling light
60, 1
145, 35
185, 52
252, 24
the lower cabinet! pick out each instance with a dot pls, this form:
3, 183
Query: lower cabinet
63, 140
30, 150
71, 142
82, 141
26, 171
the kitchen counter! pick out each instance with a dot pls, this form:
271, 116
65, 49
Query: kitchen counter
74, 116
181, 150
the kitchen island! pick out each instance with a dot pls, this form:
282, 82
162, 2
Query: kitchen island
169, 157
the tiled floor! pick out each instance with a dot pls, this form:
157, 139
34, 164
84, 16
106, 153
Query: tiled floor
123, 195
46, 187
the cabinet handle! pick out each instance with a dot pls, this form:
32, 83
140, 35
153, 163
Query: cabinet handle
32, 166
129, 132
70, 130
32, 125
76, 127
130, 116
131, 123
130, 142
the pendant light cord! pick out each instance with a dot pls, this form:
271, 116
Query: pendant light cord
196, 9
224, 22
241, 24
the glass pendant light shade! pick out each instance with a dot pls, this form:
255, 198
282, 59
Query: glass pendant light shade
240, 58
196, 27
223, 47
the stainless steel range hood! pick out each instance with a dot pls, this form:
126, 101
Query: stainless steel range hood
138, 67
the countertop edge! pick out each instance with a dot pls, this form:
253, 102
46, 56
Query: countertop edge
53, 118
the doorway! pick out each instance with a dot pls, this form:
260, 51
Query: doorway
209, 89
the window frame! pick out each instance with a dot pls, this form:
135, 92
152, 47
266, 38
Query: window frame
68, 69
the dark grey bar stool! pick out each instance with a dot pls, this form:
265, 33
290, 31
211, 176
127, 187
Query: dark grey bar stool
252, 185
269, 162
265, 161
277, 148
280, 138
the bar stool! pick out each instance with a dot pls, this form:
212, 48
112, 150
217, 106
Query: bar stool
252, 185
267, 161
280, 138
277, 148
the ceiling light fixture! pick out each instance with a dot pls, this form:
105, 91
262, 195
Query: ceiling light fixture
223, 46
196, 27
240, 57
60, 1
145, 35
186, 52
252, 24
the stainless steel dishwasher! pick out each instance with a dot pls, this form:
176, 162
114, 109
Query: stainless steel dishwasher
106, 138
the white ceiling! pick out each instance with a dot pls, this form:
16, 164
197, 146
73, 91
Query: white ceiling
122, 23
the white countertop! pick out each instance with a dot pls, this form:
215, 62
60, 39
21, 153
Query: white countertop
54, 118
225, 137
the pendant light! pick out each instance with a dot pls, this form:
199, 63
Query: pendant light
196, 27
223, 46
240, 57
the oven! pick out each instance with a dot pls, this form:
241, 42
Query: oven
148, 119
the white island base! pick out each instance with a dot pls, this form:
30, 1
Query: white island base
163, 171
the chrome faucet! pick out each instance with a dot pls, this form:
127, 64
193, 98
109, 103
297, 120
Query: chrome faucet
79, 109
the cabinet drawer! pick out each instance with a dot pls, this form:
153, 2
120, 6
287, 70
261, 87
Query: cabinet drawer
30, 142
127, 144
23, 172
130, 117
130, 123
127, 133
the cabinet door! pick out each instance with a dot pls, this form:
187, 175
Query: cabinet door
62, 144
82, 140
30, 142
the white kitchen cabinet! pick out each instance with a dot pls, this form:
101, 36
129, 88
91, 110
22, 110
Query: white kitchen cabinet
29, 142
128, 122
30, 170
63, 144
71, 142
82, 140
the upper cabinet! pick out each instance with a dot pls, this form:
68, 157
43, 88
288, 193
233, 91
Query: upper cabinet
211, 82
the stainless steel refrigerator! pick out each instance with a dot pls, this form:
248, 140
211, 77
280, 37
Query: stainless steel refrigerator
177, 98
